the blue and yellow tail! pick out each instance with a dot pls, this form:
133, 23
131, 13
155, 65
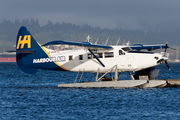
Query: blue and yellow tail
28, 52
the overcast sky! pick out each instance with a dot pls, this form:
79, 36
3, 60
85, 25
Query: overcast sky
125, 14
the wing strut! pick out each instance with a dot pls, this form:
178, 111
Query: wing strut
96, 58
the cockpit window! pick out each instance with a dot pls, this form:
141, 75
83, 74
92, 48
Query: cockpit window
126, 49
121, 52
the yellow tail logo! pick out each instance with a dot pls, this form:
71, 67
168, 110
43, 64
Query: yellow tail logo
26, 40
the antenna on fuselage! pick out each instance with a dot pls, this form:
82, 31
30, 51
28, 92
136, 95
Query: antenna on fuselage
88, 38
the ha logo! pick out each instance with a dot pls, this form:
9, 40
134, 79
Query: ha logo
26, 40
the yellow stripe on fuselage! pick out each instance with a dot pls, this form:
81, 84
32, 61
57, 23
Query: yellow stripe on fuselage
50, 56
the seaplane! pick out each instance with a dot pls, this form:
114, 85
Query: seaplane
99, 59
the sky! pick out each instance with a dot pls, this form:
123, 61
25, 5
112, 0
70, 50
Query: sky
124, 14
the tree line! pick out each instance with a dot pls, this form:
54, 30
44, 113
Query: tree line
71, 32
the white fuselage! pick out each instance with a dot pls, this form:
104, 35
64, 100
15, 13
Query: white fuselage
82, 60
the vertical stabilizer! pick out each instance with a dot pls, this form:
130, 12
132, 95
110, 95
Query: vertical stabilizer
26, 50
31, 56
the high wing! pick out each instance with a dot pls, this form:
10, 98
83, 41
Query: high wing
148, 47
87, 45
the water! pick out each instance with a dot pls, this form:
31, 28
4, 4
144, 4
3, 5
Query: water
24, 96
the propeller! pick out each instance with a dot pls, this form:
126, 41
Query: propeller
165, 49
167, 64
165, 55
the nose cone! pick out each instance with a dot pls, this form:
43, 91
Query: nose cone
165, 58
161, 59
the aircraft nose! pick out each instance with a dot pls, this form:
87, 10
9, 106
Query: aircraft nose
165, 58
161, 58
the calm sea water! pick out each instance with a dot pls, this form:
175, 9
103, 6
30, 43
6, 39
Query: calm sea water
24, 96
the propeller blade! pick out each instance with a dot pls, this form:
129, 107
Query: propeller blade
165, 49
167, 64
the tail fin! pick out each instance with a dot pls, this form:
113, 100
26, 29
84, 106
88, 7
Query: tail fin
31, 56
27, 49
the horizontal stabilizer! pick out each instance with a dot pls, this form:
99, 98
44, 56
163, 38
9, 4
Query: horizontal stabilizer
22, 51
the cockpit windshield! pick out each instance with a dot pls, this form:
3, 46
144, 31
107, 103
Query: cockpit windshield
126, 49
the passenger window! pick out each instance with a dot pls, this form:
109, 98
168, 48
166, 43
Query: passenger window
89, 56
99, 55
70, 57
80, 57
109, 54
121, 52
